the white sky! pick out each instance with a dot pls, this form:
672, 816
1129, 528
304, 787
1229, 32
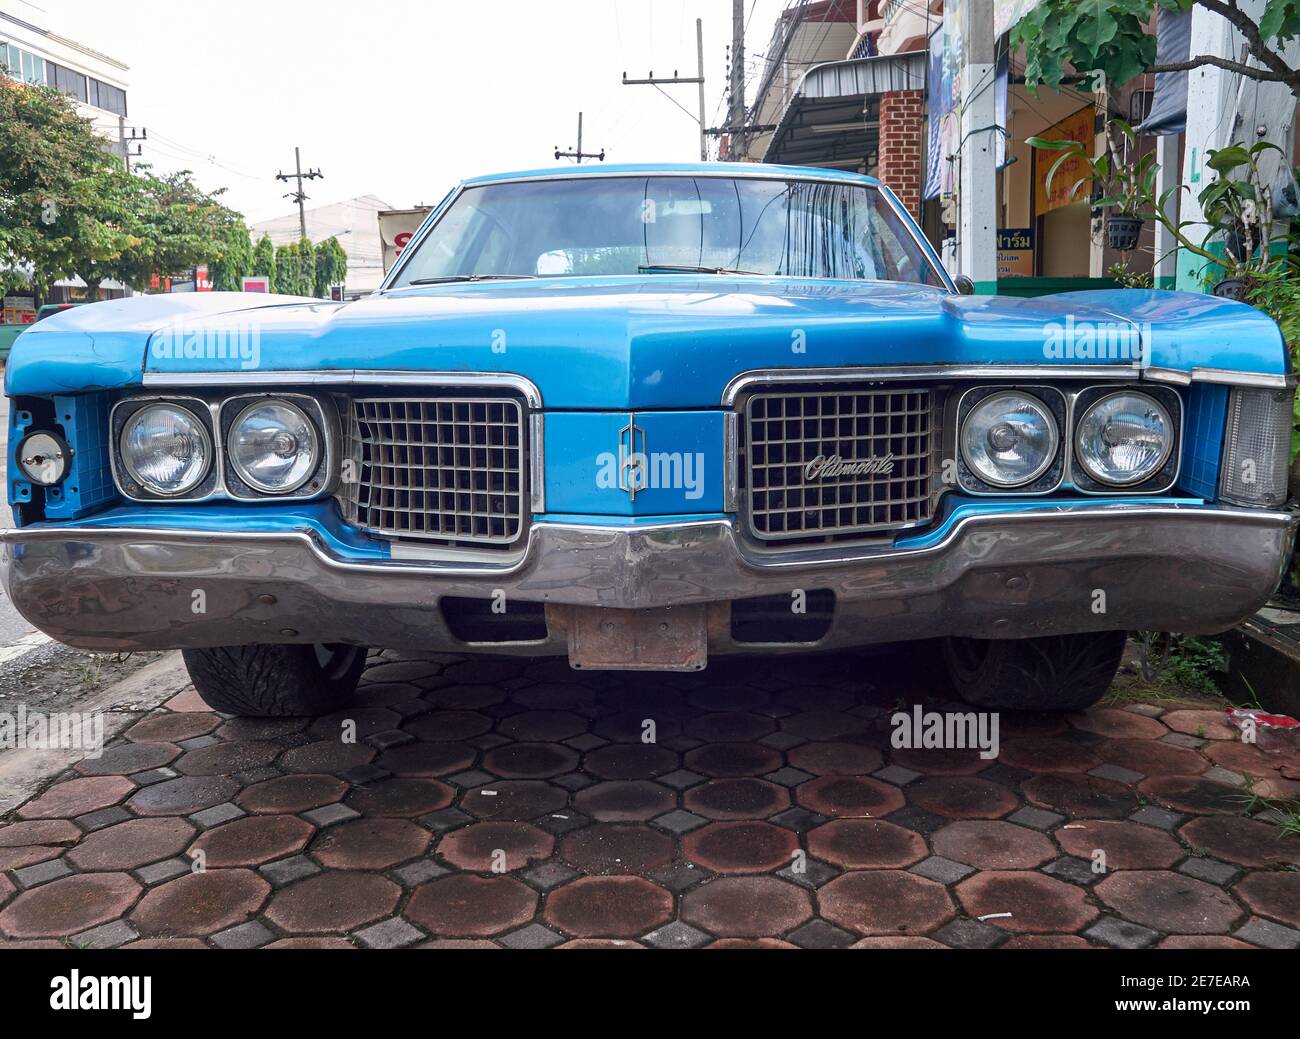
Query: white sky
402, 99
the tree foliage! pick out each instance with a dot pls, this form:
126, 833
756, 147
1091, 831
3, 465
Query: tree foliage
69, 207
236, 260
264, 259
331, 266
1108, 38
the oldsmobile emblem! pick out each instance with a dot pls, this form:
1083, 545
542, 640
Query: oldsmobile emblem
631, 458
821, 467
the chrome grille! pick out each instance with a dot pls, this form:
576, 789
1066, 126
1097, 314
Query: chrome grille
443, 468
788, 434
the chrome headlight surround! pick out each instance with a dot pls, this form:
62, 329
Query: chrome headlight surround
324, 422
1161, 479
1049, 476
127, 482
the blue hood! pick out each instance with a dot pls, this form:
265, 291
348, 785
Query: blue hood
627, 342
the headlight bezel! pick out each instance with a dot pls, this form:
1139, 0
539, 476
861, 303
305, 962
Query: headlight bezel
127, 483
317, 481
1164, 477
216, 415
1049, 479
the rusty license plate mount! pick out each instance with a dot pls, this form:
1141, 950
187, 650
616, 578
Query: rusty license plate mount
670, 638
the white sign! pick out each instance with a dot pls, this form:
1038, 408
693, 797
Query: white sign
396, 228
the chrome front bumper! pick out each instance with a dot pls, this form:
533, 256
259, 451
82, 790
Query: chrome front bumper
1038, 571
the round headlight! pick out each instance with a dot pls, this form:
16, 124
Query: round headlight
273, 446
44, 458
1124, 438
1009, 439
166, 449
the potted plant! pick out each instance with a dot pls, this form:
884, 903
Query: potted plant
1124, 188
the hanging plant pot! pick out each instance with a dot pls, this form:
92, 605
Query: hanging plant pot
1230, 288
1122, 232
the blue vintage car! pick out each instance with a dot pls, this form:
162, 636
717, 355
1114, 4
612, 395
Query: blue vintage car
640, 415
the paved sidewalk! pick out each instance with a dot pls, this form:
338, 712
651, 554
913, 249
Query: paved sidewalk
491, 801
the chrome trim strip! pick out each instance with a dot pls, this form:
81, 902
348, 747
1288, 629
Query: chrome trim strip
730, 462
452, 567
536, 461
1169, 375
352, 377
776, 376
1257, 380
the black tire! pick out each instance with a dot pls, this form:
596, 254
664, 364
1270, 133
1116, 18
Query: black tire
276, 681
1053, 673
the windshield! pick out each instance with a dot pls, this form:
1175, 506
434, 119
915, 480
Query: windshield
630, 225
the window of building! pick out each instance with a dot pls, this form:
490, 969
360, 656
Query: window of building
108, 97
22, 65
66, 81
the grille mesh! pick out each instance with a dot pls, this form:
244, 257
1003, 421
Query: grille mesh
787, 434
440, 468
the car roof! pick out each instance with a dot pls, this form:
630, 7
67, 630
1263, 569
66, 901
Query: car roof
703, 169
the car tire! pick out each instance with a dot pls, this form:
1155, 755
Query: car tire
276, 681
1052, 673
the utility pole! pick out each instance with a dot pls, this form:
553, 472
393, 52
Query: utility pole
977, 190
579, 154
138, 136
299, 196
657, 83
736, 111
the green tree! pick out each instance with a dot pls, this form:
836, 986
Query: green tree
64, 199
235, 260
331, 266
264, 260
1109, 36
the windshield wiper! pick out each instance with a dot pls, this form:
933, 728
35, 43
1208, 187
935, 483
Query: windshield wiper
467, 277
681, 268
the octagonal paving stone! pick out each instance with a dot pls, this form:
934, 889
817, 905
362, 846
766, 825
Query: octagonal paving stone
1037, 903
326, 756
993, 844
404, 797
1267, 771
1151, 757
608, 848
1206, 725
881, 902
333, 901
747, 907
1080, 795
354, 723
530, 760
428, 759
496, 846
200, 903
252, 840
832, 757
514, 799
1169, 902
54, 832
609, 907
1047, 754
370, 844
1275, 895
936, 761
624, 800
1117, 724
849, 796
77, 797
68, 905
740, 847
727, 760
291, 794
1126, 845
172, 727
127, 758
183, 795
866, 844
730, 727
225, 758
448, 726
467, 906
1247, 842
131, 844
962, 797
741, 798
629, 761
1194, 794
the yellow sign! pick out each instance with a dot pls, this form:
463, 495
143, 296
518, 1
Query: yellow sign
1076, 127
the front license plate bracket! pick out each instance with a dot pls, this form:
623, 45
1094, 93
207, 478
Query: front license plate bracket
669, 638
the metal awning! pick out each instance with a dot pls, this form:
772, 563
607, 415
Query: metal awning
833, 118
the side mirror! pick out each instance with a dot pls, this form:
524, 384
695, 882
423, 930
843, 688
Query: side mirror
964, 285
